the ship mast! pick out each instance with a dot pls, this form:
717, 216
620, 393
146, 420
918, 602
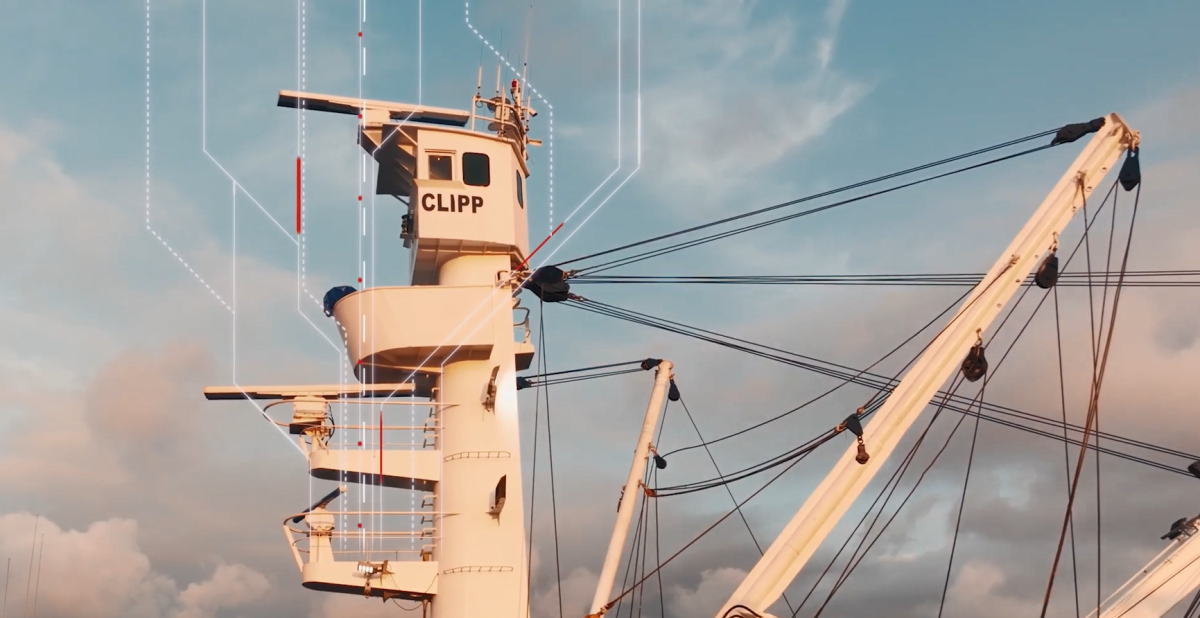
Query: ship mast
445, 342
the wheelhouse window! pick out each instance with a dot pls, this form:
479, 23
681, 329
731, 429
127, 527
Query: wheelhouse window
520, 190
477, 169
441, 167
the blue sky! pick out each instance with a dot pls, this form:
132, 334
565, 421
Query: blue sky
742, 104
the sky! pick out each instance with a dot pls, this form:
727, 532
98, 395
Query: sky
139, 271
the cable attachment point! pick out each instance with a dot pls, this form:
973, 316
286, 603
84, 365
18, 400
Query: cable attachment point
673, 392
1194, 468
1072, 132
855, 426
549, 284
975, 365
650, 363
659, 461
1130, 175
1047, 272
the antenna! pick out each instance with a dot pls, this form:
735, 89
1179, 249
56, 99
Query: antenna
322, 503
528, 30
38, 584
29, 577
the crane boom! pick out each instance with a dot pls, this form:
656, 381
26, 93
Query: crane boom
829, 502
1163, 583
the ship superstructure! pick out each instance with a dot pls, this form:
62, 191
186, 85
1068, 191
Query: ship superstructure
446, 343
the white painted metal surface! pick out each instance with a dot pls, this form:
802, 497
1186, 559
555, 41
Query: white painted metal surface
1163, 584
450, 337
633, 488
829, 502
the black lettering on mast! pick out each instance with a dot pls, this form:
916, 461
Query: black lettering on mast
452, 203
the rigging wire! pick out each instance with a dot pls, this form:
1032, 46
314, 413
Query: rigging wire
876, 381
1092, 408
567, 380
550, 450
638, 257
634, 314
817, 195
1193, 609
582, 369
716, 467
1144, 279
962, 503
852, 565
1062, 389
892, 483
702, 534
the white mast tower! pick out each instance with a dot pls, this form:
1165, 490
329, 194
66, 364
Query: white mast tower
448, 338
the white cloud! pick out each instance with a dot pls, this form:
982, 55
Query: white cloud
714, 589
101, 572
578, 589
733, 96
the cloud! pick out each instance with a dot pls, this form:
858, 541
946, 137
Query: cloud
734, 95
578, 589
709, 595
101, 572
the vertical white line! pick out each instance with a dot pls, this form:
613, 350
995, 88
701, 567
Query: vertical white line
364, 227
203, 75
420, 47
233, 292
364, 59
364, 328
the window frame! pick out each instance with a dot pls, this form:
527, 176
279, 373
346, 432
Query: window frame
430, 154
487, 167
520, 190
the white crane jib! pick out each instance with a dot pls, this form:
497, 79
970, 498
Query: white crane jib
829, 502
1163, 583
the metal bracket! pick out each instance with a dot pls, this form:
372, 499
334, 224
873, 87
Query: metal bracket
489, 392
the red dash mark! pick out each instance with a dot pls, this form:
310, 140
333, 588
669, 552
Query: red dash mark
380, 447
539, 247
360, 35
297, 195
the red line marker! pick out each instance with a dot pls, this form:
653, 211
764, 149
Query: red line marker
539, 247
360, 35
380, 447
297, 195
